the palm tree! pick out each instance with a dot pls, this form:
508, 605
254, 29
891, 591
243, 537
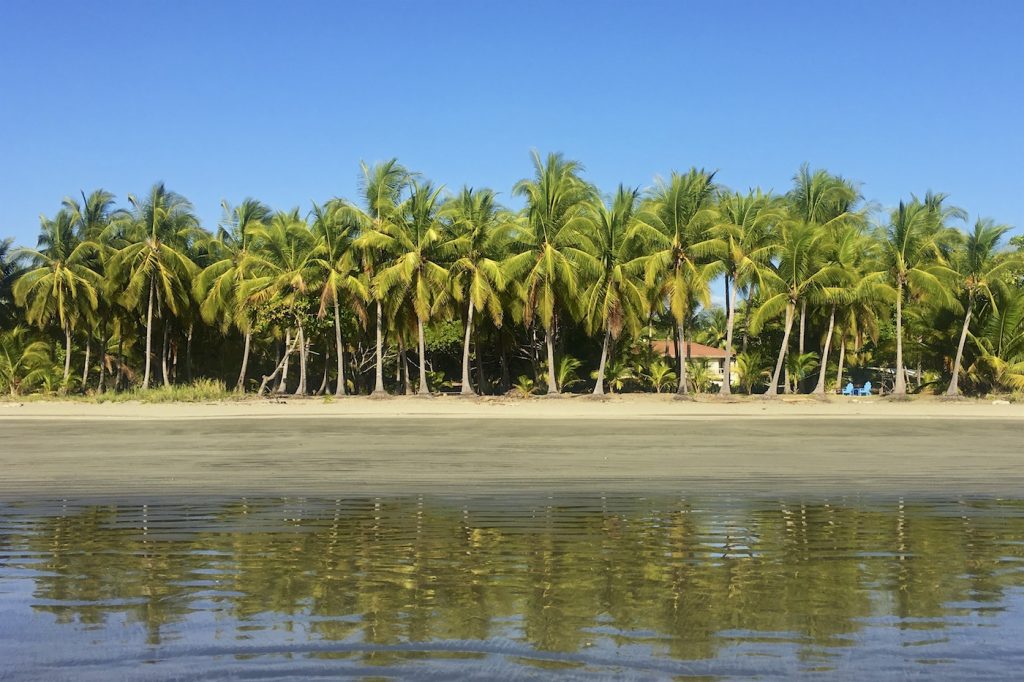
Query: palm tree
59, 286
154, 265
745, 224
10, 269
614, 296
915, 244
218, 287
545, 273
798, 275
341, 272
21, 359
381, 188
479, 229
979, 267
414, 275
674, 231
283, 270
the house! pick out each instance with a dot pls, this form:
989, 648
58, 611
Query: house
714, 357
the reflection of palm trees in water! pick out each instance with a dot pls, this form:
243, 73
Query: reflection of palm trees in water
682, 576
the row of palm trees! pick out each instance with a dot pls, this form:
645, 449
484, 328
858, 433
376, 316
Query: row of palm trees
809, 278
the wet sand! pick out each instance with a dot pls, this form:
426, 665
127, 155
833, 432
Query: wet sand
445, 445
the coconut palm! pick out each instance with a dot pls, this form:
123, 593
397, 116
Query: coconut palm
154, 266
479, 230
59, 287
798, 275
979, 267
613, 297
999, 339
22, 359
414, 275
381, 187
557, 201
674, 230
218, 287
341, 273
915, 244
283, 271
745, 224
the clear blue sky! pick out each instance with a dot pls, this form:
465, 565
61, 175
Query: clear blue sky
280, 100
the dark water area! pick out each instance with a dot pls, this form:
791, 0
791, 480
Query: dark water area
677, 586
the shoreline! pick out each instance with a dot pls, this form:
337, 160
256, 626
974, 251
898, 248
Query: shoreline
620, 407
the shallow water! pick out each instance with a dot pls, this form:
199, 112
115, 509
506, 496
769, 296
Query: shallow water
514, 586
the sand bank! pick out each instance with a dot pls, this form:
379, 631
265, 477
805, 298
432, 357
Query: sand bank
410, 446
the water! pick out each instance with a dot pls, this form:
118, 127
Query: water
513, 586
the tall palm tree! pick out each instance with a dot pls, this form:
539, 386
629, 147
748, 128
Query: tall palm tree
59, 286
414, 275
283, 271
745, 224
979, 267
154, 265
218, 287
545, 273
798, 275
381, 187
674, 231
614, 296
341, 272
915, 244
479, 229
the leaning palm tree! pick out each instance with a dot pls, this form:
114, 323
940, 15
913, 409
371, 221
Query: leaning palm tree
674, 232
745, 224
799, 275
613, 297
341, 274
479, 228
59, 287
544, 272
979, 266
381, 187
283, 272
155, 266
915, 245
218, 287
415, 274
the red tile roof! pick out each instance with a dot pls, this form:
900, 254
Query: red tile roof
693, 349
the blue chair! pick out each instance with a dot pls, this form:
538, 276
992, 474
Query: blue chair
866, 390
849, 390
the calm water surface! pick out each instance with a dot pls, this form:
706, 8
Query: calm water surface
513, 587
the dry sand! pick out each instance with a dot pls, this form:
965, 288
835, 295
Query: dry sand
409, 445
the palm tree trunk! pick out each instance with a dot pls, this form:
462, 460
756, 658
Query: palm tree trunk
188, 353
340, 349
842, 358
67, 358
85, 365
900, 386
819, 389
120, 359
240, 386
773, 388
378, 387
301, 388
803, 319
282, 381
327, 365
100, 384
479, 356
423, 389
281, 364
149, 334
683, 388
599, 386
730, 317
407, 380
549, 341
163, 354
954, 384
467, 389
746, 316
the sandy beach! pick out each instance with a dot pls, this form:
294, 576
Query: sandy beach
410, 445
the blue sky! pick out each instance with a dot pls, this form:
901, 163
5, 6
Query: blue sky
281, 100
